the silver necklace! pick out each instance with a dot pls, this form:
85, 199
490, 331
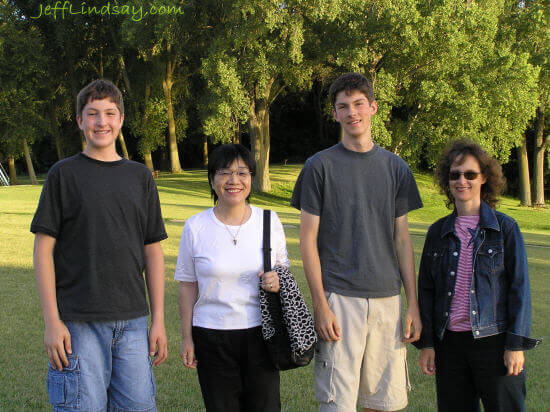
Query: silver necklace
234, 236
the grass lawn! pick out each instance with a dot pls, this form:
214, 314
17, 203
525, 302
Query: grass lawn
24, 362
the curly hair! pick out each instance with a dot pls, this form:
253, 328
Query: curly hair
490, 168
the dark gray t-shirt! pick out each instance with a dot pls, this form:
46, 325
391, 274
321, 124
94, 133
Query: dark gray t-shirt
102, 214
357, 196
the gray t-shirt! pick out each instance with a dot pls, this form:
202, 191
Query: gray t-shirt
357, 196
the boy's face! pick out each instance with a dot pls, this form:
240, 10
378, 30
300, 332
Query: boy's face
100, 122
353, 112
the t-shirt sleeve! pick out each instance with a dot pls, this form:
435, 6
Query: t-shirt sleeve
48, 216
278, 240
308, 190
407, 196
155, 225
185, 266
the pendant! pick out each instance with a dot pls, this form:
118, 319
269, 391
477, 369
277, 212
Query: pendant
234, 241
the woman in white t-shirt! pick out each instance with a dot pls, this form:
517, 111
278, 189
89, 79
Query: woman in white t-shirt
219, 268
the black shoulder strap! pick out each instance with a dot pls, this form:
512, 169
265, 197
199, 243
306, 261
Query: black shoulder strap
267, 240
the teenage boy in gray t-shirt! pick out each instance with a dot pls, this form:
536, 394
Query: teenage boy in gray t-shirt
354, 198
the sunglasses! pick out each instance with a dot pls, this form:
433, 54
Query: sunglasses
469, 175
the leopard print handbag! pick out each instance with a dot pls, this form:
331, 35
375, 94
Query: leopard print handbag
287, 325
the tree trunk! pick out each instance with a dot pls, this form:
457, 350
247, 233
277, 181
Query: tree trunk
205, 151
123, 144
167, 84
28, 160
237, 133
317, 90
259, 140
538, 159
147, 152
57, 135
148, 160
524, 181
12, 172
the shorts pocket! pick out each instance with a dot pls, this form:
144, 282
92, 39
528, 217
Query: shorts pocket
408, 381
64, 386
324, 374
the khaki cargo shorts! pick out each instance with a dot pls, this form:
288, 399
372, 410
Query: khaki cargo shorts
369, 362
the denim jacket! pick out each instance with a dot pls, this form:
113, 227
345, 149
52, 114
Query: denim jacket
500, 298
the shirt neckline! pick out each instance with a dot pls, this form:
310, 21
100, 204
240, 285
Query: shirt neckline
220, 223
101, 162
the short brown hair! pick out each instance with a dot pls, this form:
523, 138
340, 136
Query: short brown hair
349, 82
490, 168
98, 90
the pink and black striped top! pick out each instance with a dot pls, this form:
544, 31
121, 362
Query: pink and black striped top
459, 320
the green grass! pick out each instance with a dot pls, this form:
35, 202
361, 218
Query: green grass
23, 361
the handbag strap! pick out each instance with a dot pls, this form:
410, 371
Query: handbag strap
267, 241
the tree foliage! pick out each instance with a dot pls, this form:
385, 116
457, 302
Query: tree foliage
441, 70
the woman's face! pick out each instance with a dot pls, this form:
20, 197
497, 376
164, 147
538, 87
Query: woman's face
232, 184
465, 179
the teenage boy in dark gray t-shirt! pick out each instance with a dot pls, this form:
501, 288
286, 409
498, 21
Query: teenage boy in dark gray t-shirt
98, 227
356, 249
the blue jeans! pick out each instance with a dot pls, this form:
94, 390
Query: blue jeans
109, 369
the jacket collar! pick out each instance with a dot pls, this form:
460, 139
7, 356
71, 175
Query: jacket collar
487, 220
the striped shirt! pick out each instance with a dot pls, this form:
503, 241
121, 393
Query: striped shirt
465, 227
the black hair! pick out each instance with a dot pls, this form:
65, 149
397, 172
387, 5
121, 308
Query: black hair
222, 157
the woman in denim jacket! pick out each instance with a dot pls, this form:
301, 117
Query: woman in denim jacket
473, 290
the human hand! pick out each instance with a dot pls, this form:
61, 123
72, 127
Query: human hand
270, 281
57, 341
412, 318
327, 324
187, 353
514, 360
158, 343
427, 361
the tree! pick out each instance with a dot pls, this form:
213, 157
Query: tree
254, 53
534, 37
163, 41
438, 70
20, 106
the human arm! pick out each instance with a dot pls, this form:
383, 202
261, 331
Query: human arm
427, 361
514, 361
188, 294
325, 320
269, 281
154, 275
279, 255
518, 298
426, 296
405, 258
57, 338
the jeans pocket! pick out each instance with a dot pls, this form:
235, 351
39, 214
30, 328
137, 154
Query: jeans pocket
153, 381
324, 375
64, 386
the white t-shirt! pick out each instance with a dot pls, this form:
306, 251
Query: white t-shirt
227, 274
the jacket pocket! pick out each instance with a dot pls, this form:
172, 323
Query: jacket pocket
324, 374
64, 386
489, 272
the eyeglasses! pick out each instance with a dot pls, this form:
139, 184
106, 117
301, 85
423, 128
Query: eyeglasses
227, 173
469, 175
